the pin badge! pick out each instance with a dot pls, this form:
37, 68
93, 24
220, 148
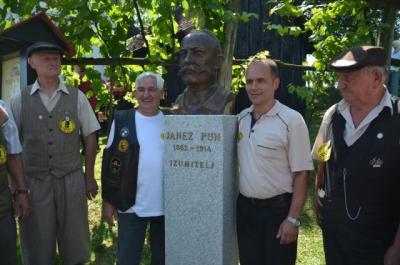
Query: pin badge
379, 135
124, 132
376, 162
123, 146
115, 165
40, 117
240, 136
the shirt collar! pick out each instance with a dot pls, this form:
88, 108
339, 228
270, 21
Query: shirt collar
273, 111
61, 86
386, 101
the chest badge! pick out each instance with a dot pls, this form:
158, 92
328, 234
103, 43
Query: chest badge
67, 125
115, 165
124, 132
324, 151
376, 162
123, 146
379, 136
162, 136
3, 154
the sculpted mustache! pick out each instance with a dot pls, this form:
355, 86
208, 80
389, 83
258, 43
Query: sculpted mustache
192, 68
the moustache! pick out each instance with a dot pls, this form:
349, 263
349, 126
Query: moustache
192, 68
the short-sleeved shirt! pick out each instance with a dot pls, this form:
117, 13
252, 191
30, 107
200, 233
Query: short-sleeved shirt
10, 132
351, 133
272, 151
86, 116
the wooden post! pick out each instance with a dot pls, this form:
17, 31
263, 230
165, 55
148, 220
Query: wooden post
230, 30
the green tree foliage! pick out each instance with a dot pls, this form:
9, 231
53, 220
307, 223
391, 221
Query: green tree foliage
331, 26
107, 24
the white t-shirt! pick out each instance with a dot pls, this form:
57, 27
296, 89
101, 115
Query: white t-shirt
150, 182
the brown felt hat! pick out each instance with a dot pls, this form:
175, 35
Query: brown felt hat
358, 57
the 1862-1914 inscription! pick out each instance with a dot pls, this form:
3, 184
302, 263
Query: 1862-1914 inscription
194, 144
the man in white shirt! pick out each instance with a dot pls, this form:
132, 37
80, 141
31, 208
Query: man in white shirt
132, 174
358, 147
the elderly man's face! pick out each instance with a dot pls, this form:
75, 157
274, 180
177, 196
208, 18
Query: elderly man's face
148, 96
356, 87
46, 63
198, 59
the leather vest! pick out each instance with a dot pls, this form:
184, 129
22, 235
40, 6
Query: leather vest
120, 163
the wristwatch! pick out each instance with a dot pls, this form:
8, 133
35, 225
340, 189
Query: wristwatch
22, 191
294, 221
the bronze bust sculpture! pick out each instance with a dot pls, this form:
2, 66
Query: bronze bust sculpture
200, 59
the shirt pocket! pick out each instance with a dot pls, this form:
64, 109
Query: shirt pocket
268, 148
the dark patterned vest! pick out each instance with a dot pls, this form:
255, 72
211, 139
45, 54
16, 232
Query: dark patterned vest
50, 140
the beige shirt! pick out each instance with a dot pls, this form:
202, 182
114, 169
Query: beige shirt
272, 151
351, 133
87, 119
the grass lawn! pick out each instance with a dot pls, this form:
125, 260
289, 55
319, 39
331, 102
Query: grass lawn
104, 238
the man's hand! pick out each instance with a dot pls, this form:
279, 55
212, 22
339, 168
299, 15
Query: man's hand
91, 187
110, 213
287, 232
392, 255
21, 206
3, 116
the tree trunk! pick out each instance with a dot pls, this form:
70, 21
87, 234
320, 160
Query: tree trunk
387, 30
230, 30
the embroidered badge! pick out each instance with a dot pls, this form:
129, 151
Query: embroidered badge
123, 145
67, 125
3, 155
324, 151
376, 162
124, 132
162, 136
115, 165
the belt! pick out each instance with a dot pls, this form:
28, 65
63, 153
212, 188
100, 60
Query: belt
279, 201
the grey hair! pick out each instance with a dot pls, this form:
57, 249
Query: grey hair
156, 77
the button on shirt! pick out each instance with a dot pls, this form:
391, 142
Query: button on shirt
87, 119
271, 151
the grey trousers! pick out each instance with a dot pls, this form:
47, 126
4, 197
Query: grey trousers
59, 215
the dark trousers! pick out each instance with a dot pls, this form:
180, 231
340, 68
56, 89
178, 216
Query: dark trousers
351, 242
8, 252
131, 235
257, 228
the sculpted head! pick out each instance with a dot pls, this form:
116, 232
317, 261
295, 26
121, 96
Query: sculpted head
200, 58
